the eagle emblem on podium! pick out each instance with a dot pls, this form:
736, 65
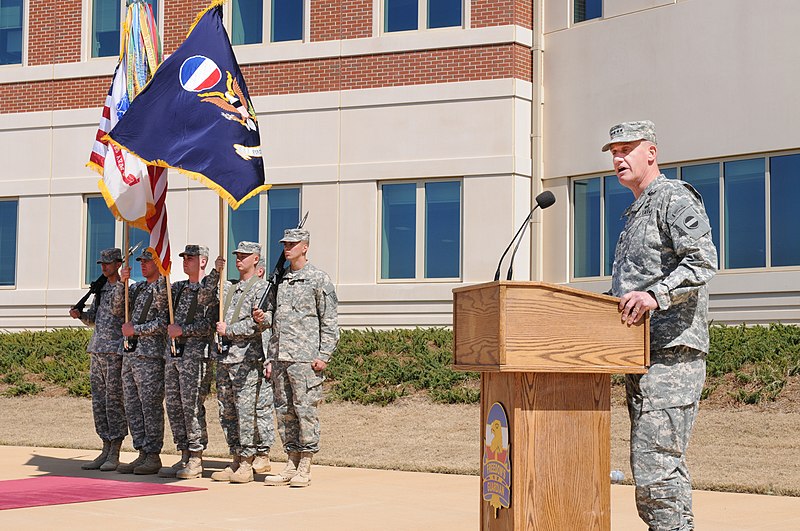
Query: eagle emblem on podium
496, 465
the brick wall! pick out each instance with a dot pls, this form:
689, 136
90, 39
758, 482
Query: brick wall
486, 13
53, 23
314, 75
340, 19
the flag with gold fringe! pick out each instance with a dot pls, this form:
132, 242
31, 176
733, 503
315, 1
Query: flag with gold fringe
195, 115
134, 191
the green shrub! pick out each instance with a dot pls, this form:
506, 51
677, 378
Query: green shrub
378, 367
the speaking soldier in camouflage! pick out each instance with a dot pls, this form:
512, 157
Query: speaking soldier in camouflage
239, 379
663, 262
186, 372
143, 363
304, 335
105, 369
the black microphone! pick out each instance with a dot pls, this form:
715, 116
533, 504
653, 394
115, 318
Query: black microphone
543, 200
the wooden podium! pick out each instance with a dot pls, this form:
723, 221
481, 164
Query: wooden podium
545, 353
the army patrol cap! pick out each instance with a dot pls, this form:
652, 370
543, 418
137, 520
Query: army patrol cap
194, 250
295, 235
631, 132
248, 248
146, 255
108, 256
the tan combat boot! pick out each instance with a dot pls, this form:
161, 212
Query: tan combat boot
127, 468
225, 475
303, 476
244, 474
261, 464
193, 468
99, 460
112, 460
288, 472
151, 465
170, 471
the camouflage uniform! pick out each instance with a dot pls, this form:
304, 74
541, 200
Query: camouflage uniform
666, 249
143, 369
239, 370
105, 373
186, 376
265, 408
304, 329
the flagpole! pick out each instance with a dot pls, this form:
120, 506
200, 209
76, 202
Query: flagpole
171, 315
221, 280
125, 248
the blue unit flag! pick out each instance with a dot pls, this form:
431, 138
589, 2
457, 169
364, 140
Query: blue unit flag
195, 115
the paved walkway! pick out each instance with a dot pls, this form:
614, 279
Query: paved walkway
339, 499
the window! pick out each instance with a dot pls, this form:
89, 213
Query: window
435, 208
749, 203
784, 194
8, 242
242, 226
587, 10
11, 32
444, 13
286, 21
106, 27
283, 212
403, 15
100, 234
246, 27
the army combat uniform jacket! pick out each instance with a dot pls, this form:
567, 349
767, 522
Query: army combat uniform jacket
305, 322
666, 249
242, 331
107, 335
194, 302
150, 327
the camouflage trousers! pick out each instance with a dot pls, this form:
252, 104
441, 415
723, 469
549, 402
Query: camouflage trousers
143, 385
239, 386
298, 391
265, 417
108, 404
186, 383
662, 413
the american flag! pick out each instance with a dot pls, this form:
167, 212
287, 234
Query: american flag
134, 192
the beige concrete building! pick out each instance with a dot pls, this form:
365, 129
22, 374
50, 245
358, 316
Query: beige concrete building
417, 150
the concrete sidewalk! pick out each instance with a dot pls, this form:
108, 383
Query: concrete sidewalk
339, 499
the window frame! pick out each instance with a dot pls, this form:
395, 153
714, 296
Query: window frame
574, 22
24, 43
419, 233
13, 286
266, 25
379, 10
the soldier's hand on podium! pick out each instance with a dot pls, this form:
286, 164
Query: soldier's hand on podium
635, 304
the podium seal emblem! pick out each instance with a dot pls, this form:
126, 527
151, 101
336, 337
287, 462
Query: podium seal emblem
496, 466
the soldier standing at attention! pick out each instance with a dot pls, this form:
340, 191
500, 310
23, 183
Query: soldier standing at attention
662, 264
265, 415
304, 335
239, 364
105, 374
143, 363
185, 374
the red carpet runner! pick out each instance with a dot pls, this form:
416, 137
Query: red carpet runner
56, 490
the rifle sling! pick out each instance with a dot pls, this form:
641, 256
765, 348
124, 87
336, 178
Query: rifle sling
229, 298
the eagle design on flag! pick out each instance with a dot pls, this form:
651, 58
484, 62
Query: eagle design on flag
234, 101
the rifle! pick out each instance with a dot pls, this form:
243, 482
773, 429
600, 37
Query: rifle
97, 284
267, 301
